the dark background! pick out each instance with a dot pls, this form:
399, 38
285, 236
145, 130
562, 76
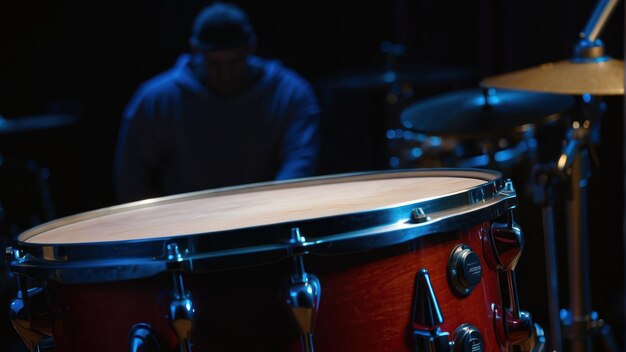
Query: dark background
87, 58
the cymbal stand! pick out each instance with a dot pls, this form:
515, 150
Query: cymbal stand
544, 181
574, 165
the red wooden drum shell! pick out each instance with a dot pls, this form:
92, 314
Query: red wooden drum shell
365, 305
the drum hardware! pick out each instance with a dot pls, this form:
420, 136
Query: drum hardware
142, 338
418, 216
464, 270
427, 317
503, 248
467, 338
426, 320
303, 294
588, 73
590, 325
30, 315
30, 311
544, 178
181, 307
574, 166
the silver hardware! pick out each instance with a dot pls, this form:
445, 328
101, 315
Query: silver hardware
30, 315
508, 186
173, 253
464, 270
426, 317
418, 216
181, 312
303, 295
141, 338
513, 326
468, 338
598, 19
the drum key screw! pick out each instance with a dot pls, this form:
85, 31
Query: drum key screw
173, 253
418, 216
508, 186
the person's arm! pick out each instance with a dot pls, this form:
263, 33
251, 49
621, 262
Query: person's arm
136, 158
300, 145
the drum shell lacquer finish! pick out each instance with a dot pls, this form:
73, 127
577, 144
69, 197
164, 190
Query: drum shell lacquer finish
366, 302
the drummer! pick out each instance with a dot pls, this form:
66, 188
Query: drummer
221, 116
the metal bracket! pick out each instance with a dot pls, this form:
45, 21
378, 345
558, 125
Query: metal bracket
181, 307
303, 294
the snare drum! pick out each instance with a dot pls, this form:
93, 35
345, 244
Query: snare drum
387, 261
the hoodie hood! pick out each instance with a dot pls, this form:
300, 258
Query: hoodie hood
183, 76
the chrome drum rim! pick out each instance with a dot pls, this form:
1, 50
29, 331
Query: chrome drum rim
231, 249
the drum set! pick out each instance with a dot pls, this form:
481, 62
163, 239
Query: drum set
418, 259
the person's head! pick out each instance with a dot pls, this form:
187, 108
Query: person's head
224, 37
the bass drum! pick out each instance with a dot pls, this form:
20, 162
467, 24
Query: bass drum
388, 261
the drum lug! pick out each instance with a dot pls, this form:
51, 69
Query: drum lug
31, 317
426, 317
181, 307
302, 295
503, 248
514, 330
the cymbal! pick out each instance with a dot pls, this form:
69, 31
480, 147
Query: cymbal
380, 77
481, 112
565, 77
34, 123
